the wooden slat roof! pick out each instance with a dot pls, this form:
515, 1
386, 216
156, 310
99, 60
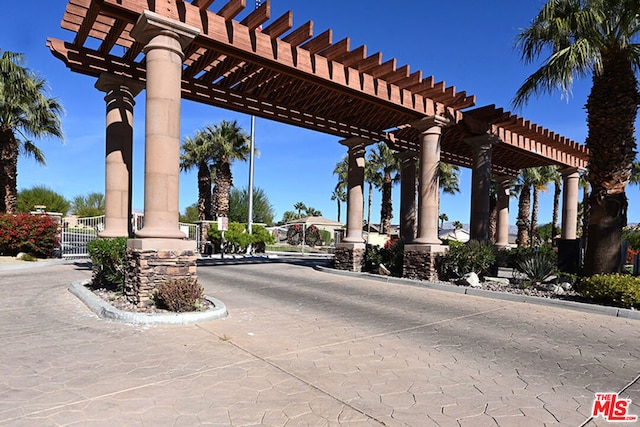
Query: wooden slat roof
290, 75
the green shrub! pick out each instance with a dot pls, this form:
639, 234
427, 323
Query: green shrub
36, 235
613, 289
179, 295
326, 237
537, 266
463, 258
108, 257
237, 239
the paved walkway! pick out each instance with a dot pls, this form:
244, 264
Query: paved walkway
302, 347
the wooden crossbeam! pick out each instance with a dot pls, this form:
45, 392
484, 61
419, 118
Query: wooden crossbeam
113, 36
336, 50
279, 26
300, 34
202, 4
354, 57
383, 70
370, 63
319, 42
398, 75
258, 16
232, 9
87, 24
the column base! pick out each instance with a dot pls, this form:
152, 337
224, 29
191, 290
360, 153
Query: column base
151, 262
421, 261
349, 256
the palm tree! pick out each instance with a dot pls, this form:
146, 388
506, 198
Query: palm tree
541, 178
310, 211
340, 192
523, 185
443, 217
557, 188
373, 179
387, 168
229, 143
449, 178
597, 38
299, 206
25, 113
340, 196
198, 151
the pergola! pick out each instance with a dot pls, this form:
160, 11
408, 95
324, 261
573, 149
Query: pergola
244, 61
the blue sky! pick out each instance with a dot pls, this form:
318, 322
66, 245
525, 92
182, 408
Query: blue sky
468, 44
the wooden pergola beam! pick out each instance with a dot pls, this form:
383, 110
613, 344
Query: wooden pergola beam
279, 26
202, 4
258, 16
232, 9
299, 35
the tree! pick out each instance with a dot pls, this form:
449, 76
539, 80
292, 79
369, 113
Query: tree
449, 178
597, 38
239, 206
311, 211
26, 113
457, 225
191, 214
523, 186
339, 196
288, 216
542, 176
198, 151
41, 196
87, 206
299, 206
340, 192
387, 170
443, 217
228, 144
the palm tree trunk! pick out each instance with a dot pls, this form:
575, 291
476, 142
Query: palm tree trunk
524, 204
8, 171
204, 192
555, 229
369, 209
386, 213
534, 218
612, 108
493, 218
221, 190
338, 201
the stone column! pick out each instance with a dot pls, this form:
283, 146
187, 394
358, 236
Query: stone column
569, 248
160, 253
503, 187
407, 195
420, 257
349, 253
482, 146
120, 93
570, 189
164, 41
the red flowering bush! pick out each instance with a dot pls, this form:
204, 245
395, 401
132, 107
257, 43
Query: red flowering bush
311, 235
36, 235
630, 254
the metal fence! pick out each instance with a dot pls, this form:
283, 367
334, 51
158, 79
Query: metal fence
78, 232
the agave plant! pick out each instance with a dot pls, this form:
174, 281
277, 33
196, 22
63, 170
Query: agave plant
537, 267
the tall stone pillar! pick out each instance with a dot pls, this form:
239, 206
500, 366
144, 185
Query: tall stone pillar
120, 93
407, 195
421, 255
160, 253
503, 184
569, 247
482, 146
349, 254
164, 41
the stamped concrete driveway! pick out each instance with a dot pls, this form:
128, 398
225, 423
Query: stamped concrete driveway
302, 347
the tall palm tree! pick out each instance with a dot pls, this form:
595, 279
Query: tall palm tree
340, 196
198, 151
373, 179
299, 206
26, 113
340, 192
387, 170
542, 177
597, 38
557, 188
449, 178
229, 143
523, 185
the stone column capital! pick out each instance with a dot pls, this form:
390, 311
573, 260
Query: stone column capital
108, 82
504, 180
355, 141
430, 124
406, 155
151, 24
565, 172
483, 140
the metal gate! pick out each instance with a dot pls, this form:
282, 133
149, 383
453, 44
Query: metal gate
77, 232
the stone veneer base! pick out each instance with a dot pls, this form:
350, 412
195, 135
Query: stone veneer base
349, 256
421, 261
147, 268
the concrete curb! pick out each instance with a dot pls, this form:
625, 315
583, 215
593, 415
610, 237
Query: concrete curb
108, 312
39, 264
571, 305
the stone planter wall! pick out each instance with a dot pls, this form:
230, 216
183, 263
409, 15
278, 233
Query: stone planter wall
147, 269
